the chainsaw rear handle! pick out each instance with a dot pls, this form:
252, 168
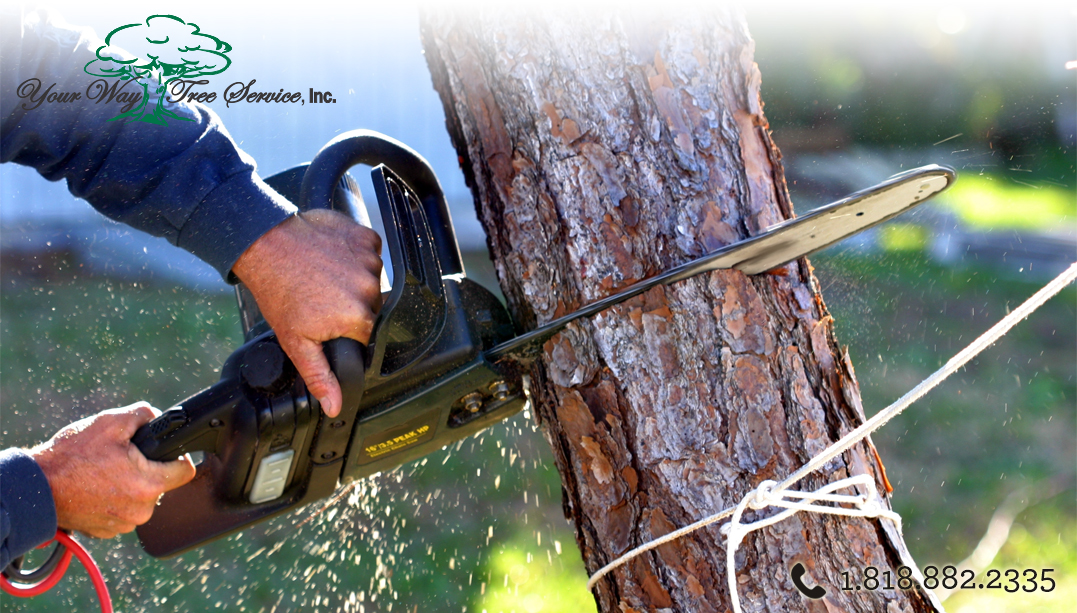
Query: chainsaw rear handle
190, 426
373, 149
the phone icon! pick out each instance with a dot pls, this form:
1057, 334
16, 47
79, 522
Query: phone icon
796, 573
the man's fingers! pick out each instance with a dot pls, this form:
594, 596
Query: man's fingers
310, 361
106, 533
363, 327
176, 473
134, 416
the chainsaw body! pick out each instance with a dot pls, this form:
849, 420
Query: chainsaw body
422, 383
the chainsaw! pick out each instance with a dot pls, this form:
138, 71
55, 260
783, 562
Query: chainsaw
444, 360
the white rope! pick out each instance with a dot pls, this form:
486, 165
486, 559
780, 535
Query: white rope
781, 490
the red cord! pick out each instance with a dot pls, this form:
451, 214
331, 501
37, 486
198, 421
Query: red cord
91, 568
71, 546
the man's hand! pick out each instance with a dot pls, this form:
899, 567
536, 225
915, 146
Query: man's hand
101, 483
315, 277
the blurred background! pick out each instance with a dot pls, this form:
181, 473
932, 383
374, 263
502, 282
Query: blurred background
93, 315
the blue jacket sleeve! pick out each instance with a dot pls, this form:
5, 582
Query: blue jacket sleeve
186, 181
27, 511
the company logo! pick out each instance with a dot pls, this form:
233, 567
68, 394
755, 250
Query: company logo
155, 54
169, 55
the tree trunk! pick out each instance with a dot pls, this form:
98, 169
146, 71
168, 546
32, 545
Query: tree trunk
604, 149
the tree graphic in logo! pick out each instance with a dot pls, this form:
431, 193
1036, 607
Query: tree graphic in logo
161, 50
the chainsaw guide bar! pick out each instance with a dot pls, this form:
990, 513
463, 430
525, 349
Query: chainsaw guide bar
775, 246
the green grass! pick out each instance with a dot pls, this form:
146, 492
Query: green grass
997, 202
527, 576
1035, 547
902, 237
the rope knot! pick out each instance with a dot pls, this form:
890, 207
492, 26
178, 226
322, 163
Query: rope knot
763, 496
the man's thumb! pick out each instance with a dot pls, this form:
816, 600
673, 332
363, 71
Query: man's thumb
322, 384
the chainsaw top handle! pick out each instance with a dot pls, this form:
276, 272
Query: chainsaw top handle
372, 148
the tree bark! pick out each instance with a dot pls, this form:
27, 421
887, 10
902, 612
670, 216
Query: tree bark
603, 149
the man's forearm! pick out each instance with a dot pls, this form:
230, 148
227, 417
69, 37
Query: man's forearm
186, 181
